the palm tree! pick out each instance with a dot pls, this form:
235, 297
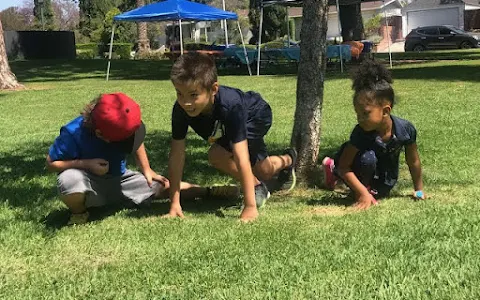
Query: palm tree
143, 42
7, 78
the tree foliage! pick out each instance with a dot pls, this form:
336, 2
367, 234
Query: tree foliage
274, 21
93, 19
13, 19
44, 17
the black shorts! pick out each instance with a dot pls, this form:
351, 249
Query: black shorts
257, 127
256, 149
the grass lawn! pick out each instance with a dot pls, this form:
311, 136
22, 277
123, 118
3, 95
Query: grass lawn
305, 245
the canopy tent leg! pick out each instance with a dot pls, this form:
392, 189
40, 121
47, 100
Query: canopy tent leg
244, 49
181, 36
259, 40
110, 50
388, 36
225, 28
340, 32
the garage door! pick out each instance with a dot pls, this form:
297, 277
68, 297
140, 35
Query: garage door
443, 16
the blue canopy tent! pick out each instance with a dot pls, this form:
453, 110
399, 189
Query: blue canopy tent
174, 10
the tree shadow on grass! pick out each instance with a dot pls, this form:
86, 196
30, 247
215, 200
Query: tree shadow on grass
70, 70
21, 171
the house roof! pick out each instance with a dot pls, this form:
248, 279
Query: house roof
434, 3
472, 2
299, 2
296, 11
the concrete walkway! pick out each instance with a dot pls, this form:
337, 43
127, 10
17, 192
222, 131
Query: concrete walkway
395, 47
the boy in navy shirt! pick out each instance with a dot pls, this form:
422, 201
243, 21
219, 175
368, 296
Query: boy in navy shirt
368, 163
234, 123
90, 157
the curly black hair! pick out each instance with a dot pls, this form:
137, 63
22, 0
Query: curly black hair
372, 83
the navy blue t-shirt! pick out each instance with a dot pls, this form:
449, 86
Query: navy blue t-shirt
78, 142
388, 154
236, 116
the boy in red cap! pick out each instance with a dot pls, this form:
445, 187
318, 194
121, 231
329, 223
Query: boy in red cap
90, 157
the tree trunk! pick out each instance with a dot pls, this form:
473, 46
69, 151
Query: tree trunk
352, 22
143, 42
7, 78
311, 75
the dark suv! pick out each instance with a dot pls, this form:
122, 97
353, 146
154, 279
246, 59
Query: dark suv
439, 37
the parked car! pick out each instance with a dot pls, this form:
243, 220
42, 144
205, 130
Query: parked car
439, 37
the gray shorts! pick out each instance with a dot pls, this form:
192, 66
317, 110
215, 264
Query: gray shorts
107, 189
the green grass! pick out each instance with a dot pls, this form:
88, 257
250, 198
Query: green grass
304, 246
461, 54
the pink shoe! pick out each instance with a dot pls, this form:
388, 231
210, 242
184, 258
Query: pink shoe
330, 180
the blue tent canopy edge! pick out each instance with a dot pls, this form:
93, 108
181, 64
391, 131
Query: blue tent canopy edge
175, 10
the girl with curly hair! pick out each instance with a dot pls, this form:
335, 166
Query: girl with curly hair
368, 163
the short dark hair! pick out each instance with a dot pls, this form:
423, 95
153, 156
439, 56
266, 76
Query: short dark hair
373, 81
196, 68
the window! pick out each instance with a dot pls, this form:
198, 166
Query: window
428, 31
445, 31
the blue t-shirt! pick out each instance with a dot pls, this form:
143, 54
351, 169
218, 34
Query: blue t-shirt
236, 116
388, 154
78, 142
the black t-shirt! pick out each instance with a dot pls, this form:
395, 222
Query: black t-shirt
236, 116
388, 154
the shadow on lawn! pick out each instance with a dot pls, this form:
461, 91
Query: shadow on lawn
23, 186
197, 170
70, 70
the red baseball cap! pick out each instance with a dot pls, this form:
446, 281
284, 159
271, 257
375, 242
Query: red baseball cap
119, 120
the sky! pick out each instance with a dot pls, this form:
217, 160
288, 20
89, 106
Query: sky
7, 3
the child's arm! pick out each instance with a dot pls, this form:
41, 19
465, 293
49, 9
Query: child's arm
96, 166
415, 167
362, 195
176, 162
247, 180
142, 162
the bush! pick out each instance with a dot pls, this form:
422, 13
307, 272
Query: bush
372, 25
151, 55
87, 46
121, 50
86, 54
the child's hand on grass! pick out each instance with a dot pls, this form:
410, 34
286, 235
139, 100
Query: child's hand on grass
249, 213
97, 166
419, 195
175, 211
364, 201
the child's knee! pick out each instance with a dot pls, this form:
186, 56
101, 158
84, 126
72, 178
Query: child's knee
368, 160
71, 181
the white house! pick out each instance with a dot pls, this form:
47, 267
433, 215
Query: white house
436, 12
393, 8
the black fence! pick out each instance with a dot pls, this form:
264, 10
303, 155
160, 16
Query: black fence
40, 44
